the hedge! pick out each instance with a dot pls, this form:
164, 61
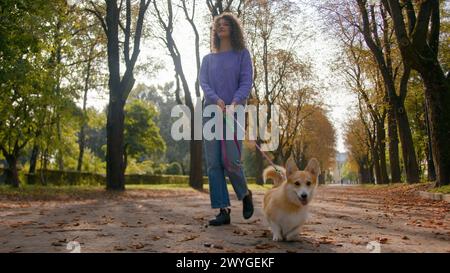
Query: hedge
55, 177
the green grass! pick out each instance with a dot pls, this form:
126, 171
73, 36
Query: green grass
443, 189
187, 187
158, 187
52, 192
47, 192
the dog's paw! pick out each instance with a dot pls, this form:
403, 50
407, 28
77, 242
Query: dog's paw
277, 238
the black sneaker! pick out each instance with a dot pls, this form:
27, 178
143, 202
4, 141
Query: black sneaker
247, 211
223, 218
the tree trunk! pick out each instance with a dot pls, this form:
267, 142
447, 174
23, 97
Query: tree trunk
259, 164
59, 154
322, 178
81, 145
431, 171
393, 147
381, 140
115, 176
33, 159
376, 161
437, 95
82, 140
196, 173
12, 174
44, 163
409, 155
258, 155
372, 176
364, 173
429, 149
125, 157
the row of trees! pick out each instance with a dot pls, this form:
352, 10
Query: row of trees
396, 53
55, 54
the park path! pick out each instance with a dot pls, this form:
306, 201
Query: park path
342, 219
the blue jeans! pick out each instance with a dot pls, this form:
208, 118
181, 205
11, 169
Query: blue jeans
216, 169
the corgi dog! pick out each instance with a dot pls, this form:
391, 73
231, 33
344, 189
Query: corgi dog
286, 204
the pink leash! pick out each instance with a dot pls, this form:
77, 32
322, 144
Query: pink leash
256, 144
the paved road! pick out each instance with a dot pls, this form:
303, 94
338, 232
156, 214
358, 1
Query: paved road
342, 219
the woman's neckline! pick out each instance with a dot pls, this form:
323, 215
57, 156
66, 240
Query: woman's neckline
223, 52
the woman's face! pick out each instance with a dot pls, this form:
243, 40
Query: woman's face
223, 29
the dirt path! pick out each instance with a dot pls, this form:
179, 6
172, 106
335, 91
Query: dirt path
343, 219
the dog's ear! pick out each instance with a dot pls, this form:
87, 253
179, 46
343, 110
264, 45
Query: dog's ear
313, 167
291, 167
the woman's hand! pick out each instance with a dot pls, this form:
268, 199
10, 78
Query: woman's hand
233, 107
221, 104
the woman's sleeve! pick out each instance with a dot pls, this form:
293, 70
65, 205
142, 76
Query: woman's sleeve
245, 79
204, 81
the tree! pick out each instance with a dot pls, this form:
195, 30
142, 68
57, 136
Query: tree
163, 97
293, 115
27, 75
382, 53
358, 68
142, 136
221, 6
166, 23
317, 139
275, 63
120, 85
357, 143
89, 59
417, 30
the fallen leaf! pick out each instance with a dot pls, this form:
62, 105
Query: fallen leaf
264, 246
119, 248
326, 240
189, 238
138, 246
240, 232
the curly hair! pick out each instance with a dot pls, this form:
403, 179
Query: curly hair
236, 32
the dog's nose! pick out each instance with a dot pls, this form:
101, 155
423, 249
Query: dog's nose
304, 196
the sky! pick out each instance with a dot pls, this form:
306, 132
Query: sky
321, 51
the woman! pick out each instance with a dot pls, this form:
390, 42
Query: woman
226, 79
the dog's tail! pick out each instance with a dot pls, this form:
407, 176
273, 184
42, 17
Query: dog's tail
277, 175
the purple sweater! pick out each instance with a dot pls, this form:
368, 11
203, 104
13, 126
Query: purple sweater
226, 75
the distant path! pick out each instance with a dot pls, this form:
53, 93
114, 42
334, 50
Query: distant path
343, 219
